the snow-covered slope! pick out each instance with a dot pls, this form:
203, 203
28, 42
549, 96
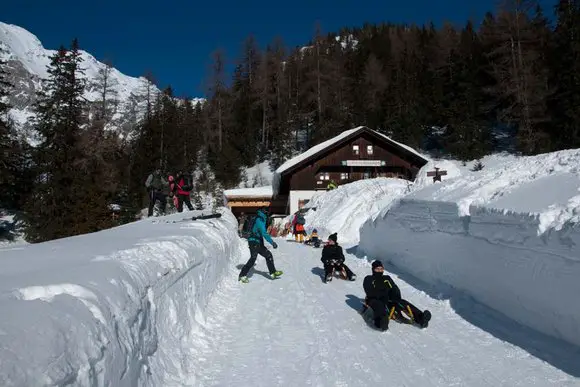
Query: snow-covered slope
116, 308
507, 235
345, 209
27, 61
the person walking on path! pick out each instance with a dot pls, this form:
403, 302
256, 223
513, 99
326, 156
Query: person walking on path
256, 244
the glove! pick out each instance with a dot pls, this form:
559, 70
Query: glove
274, 245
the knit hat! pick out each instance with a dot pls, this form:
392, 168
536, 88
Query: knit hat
376, 264
333, 237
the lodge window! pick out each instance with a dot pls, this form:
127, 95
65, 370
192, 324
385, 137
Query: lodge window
324, 176
355, 150
369, 149
344, 176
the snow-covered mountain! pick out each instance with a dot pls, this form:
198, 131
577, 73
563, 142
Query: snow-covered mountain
27, 60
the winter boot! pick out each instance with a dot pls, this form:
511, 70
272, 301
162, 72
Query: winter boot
328, 278
276, 274
384, 323
424, 323
244, 279
353, 277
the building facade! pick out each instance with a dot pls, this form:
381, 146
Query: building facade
356, 154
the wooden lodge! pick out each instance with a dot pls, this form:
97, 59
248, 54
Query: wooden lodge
356, 154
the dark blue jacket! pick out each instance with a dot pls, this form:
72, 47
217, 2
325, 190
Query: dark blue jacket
259, 233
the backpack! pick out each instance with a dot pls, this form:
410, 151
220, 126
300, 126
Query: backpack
300, 219
187, 186
156, 182
248, 227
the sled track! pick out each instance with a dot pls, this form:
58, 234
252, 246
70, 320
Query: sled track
298, 331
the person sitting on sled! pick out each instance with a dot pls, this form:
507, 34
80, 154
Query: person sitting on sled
314, 240
333, 259
383, 296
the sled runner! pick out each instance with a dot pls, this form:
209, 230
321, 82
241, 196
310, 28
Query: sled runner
339, 273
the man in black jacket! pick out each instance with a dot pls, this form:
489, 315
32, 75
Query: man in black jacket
333, 259
384, 298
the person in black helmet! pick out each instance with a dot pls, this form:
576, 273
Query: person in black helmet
384, 298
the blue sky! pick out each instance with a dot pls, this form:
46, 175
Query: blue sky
174, 39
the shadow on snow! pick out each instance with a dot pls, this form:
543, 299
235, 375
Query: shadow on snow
558, 353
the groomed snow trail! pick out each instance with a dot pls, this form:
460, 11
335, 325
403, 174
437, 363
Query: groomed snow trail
298, 331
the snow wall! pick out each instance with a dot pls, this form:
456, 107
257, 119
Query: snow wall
113, 308
492, 255
343, 210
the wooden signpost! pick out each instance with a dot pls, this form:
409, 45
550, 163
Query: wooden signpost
436, 174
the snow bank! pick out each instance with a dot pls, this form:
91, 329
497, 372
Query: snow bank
111, 308
346, 208
546, 185
507, 235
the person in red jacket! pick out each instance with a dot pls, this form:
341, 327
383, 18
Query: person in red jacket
181, 189
172, 194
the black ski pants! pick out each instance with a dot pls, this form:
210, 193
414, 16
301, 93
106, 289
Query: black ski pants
153, 197
329, 268
255, 249
183, 199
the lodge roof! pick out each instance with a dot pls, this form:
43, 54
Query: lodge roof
340, 139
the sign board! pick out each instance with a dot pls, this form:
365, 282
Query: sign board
363, 163
436, 174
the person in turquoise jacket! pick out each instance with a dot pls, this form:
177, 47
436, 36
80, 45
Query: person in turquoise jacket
256, 244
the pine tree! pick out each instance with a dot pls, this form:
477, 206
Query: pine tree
520, 73
467, 135
10, 151
375, 83
64, 201
105, 85
566, 75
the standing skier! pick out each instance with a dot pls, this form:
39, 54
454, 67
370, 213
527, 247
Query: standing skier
384, 298
333, 259
256, 244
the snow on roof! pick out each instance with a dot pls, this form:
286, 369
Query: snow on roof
265, 191
323, 145
315, 149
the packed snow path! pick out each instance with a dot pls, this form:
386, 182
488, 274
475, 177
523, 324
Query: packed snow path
298, 331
